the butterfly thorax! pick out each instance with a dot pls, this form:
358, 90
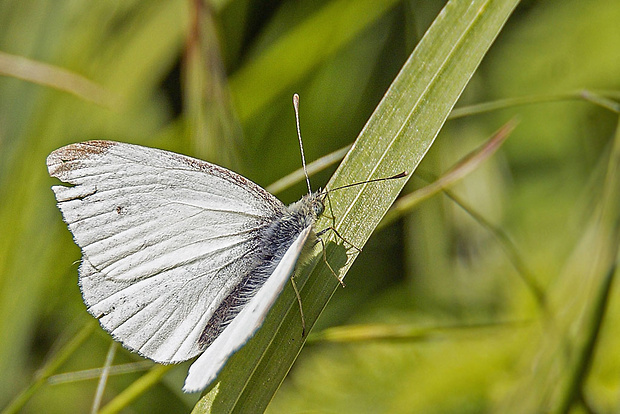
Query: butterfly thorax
290, 222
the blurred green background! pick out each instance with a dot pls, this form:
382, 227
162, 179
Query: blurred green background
214, 80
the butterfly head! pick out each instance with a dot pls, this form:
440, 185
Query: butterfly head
315, 203
309, 208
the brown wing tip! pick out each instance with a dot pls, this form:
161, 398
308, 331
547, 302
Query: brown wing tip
60, 160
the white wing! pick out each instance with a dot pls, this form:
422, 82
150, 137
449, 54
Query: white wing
204, 370
164, 238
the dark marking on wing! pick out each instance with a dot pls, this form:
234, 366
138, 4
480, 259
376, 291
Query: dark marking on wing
69, 157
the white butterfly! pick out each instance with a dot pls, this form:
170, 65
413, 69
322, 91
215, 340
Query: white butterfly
179, 256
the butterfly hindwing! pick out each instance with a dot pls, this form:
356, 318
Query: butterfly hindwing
164, 238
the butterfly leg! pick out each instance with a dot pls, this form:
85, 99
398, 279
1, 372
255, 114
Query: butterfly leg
301, 309
333, 226
318, 237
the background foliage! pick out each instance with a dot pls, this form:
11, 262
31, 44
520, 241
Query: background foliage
552, 190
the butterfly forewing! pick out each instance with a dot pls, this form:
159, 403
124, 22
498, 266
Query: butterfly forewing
164, 238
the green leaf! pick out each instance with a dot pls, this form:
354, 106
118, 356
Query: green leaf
395, 139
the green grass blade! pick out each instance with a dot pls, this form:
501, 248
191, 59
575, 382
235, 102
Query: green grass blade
396, 138
50, 367
460, 170
58, 78
409, 332
307, 45
560, 357
136, 389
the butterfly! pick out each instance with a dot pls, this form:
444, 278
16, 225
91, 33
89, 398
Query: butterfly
180, 257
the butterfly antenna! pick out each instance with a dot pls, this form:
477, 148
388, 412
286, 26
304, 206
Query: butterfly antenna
301, 145
393, 177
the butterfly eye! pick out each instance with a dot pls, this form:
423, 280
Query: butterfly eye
318, 208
